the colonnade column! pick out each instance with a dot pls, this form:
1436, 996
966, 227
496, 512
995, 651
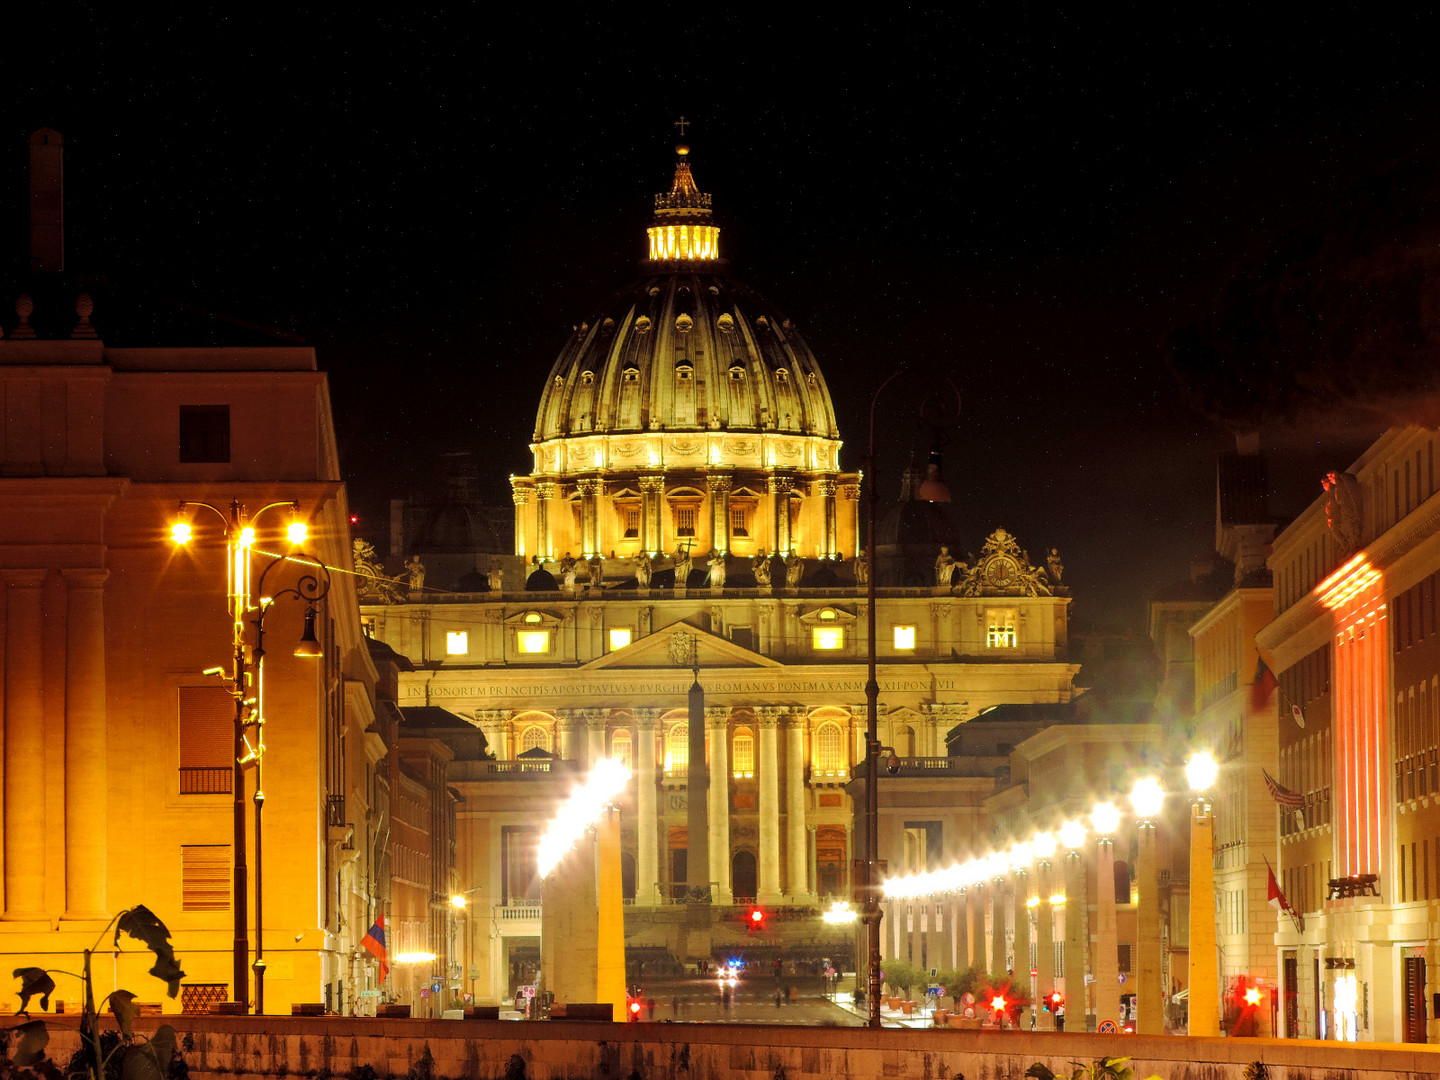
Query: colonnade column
1149, 991
717, 720
827, 487
768, 878
544, 542
86, 745
719, 487
1077, 927
1021, 959
24, 748
590, 491
779, 488
939, 942
521, 496
651, 490
997, 927
1107, 953
1044, 944
852, 499
964, 929
647, 864
797, 855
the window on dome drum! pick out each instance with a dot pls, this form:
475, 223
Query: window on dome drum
620, 636
827, 637
684, 371
742, 753
457, 643
207, 740
1000, 628
829, 750
586, 378
677, 750
737, 373
534, 737
620, 747
904, 637
205, 434
630, 374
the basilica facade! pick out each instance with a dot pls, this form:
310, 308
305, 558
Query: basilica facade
687, 554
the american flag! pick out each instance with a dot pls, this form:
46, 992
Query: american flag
1283, 795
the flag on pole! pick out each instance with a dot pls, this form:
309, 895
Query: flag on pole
374, 943
1276, 898
1263, 688
1298, 715
1281, 794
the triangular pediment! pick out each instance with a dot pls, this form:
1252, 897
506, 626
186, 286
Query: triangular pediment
655, 651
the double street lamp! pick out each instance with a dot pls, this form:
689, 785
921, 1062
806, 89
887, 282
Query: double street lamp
249, 603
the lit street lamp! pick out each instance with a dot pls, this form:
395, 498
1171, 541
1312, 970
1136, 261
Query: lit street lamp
1204, 980
244, 680
1147, 798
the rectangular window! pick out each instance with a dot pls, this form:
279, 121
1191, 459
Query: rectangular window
744, 636
1000, 628
207, 740
205, 877
740, 521
204, 433
631, 517
532, 641
904, 637
620, 636
685, 520
828, 637
1123, 957
457, 643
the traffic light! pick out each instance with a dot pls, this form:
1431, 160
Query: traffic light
634, 1011
1053, 1001
756, 920
997, 1004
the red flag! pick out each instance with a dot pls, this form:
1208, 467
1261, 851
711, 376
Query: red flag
374, 943
1275, 896
1263, 688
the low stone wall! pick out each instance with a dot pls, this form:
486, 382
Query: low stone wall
269, 1048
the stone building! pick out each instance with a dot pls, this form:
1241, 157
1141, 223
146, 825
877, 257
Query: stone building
688, 523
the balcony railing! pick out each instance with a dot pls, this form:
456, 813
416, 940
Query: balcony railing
205, 780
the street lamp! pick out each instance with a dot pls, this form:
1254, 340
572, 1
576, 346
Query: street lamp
247, 668
1147, 798
1105, 819
934, 491
1204, 980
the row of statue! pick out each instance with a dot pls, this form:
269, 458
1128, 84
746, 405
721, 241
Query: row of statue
761, 566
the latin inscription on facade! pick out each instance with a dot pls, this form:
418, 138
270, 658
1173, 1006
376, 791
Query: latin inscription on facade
677, 687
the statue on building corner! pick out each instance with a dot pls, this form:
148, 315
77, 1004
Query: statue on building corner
1054, 568
374, 585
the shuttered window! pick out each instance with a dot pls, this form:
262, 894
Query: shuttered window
207, 733
205, 877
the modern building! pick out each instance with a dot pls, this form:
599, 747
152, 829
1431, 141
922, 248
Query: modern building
688, 524
1354, 642
118, 715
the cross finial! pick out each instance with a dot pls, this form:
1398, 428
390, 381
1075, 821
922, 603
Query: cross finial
682, 123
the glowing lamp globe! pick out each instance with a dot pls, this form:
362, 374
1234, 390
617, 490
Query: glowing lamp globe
1072, 835
1147, 797
1106, 818
1201, 770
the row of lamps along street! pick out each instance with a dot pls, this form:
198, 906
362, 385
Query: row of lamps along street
1038, 853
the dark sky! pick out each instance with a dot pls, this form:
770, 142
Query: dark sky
1029, 202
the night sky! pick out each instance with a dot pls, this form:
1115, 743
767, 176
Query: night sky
1036, 204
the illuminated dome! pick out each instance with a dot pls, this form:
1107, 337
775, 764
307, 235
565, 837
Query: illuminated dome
686, 412
685, 348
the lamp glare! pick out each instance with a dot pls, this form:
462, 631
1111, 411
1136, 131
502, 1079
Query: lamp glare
297, 532
1201, 770
180, 532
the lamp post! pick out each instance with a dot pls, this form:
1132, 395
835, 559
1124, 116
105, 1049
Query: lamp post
1072, 838
1042, 848
1105, 819
1204, 980
239, 538
934, 491
1147, 798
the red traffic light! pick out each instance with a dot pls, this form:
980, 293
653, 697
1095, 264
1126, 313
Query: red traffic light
997, 1003
635, 1007
757, 919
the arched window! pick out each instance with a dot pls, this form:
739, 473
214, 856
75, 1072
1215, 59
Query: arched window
534, 736
620, 746
677, 748
905, 744
743, 753
830, 750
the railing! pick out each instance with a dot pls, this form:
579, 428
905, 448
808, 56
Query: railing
538, 767
335, 811
205, 780
517, 912
909, 766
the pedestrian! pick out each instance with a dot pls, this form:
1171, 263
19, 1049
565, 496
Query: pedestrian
1059, 1017
779, 997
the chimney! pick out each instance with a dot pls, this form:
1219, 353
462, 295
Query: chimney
47, 201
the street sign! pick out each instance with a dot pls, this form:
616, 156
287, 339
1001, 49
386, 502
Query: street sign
1107, 1027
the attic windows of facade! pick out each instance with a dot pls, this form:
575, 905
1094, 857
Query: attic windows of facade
904, 637
530, 638
1000, 628
621, 637
742, 754
457, 643
827, 636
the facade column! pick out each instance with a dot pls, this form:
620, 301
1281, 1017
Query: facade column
797, 879
1044, 945
24, 748
768, 877
647, 862
86, 745
779, 488
718, 722
595, 749
851, 495
720, 512
590, 491
829, 547
651, 536
565, 722
544, 541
